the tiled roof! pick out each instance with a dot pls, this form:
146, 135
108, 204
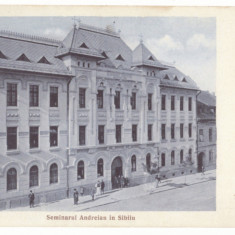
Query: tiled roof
142, 56
168, 78
207, 98
97, 41
14, 45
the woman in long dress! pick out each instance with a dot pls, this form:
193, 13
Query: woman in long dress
98, 188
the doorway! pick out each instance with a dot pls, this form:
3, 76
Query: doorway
116, 171
200, 162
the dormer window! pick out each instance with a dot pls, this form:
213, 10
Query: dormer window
84, 46
23, 57
2, 56
43, 60
104, 54
176, 79
151, 58
119, 57
166, 77
184, 80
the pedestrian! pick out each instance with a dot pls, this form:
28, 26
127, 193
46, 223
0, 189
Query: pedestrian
122, 181
31, 199
102, 186
81, 191
75, 197
92, 192
158, 180
203, 170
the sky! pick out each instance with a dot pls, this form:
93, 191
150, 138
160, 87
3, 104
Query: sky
188, 43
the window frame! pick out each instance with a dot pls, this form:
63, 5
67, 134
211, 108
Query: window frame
12, 94
163, 102
134, 133
100, 131
117, 99
54, 97
181, 103
172, 131
52, 133
34, 176
37, 138
133, 100
14, 183
181, 130
150, 132
82, 168
33, 95
118, 132
173, 157
9, 139
163, 159
100, 167
54, 174
150, 101
82, 135
172, 103
100, 99
82, 97
133, 163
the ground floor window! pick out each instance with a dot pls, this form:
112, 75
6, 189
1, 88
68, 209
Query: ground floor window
133, 163
100, 167
33, 176
11, 179
173, 158
163, 159
190, 154
181, 156
53, 173
80, 170
148, 162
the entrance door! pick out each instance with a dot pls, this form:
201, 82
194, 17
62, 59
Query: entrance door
200, 162
116, 171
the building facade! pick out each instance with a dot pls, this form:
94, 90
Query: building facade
87, 109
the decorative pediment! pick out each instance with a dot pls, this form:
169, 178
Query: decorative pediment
23, 57
166, 77
83, 45
151, 58
184, 80
104, 54
119, 57
176, 79
43, 60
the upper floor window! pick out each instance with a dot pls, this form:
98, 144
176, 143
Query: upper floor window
134, 133
172, 102
163, 131
11, 179
53, 136
33, 96
173, 158
117, 99
53, 96
33, 137
181, 103
133, 100
118, 133
172, 131
190, 130
100, 99
101, 134
150, 101
11, 138
181, 130
210, 134
82, 135
190, 104
150, 132
163, 159
11, 94
163, 103
201, 136
82, 97
133, 163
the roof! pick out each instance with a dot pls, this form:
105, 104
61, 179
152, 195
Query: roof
143, 56
97, 41
24, 52
207, 98
172, 77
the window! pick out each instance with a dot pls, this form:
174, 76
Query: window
11, 138
181, 156
133, 163
163, 159
53, 96
150, 132
181, 130
33, 137
80, 170
190, 104
163, 102
82, 135
172, 131
33, 96
201, 136
148, 162
118, 133
133, 100
11, 179
100, 99
53, 136
172, 157
134, 133
53, 173
117, 99
33, 176
11, 94
163, 130
181, 103
100, 167
190, 130
210, 134
150, 101
101, 134
82, 97
190, 154
172, 103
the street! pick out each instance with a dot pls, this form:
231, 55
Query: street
198, 197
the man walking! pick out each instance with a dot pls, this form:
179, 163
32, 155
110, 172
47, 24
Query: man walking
75, 197
31, 199
102, 187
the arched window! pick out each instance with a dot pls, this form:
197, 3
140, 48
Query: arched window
53, 173
181, 156
11, 179
100, 167
173, 158
33, 176
163, 159
133, 163
190, 154
80, 170
148, 162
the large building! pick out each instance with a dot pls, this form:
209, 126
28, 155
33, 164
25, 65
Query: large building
89, 108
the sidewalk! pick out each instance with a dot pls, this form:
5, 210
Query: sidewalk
86, 202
